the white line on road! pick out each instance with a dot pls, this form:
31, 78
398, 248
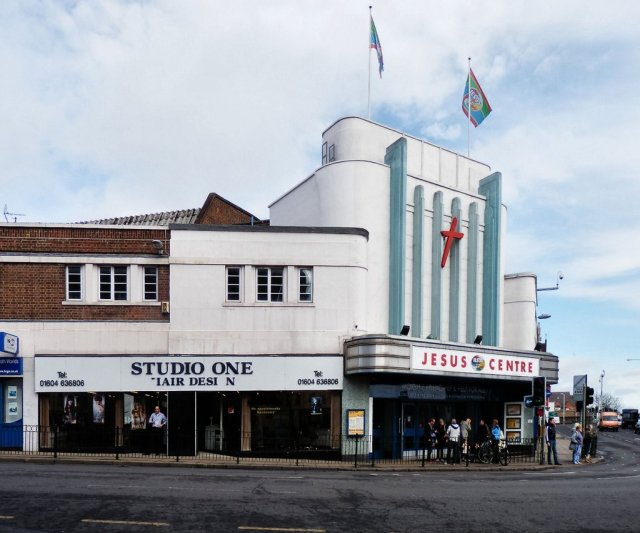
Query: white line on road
288, 529
618, 477
568, 472
124, 522
6, 517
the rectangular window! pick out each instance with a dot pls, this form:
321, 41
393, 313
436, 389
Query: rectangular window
234, 286
324, 153
306, 284
113, 283
332, 153
74, 282
151, 283
270, 284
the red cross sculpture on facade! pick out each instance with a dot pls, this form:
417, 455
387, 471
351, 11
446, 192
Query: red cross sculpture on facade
449, 235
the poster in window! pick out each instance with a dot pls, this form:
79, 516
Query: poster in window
514, 409
513, 436
70, 409
138, 413
315, 405
98, 408
513, 423
12, 392
355, 422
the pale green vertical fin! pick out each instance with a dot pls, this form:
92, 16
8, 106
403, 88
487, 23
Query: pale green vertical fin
396, 158
472, 273
416, 285
454, 276
491, 189
436, 270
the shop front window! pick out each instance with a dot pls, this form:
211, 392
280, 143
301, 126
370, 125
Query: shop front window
290, 421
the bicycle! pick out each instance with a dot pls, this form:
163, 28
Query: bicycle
489, 452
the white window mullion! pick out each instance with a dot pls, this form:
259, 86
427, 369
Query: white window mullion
136, 284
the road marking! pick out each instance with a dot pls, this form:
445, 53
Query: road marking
618, 477
288, 529
568, 472
6, 517
124, 522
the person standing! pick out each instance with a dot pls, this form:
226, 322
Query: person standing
158, 422
586, 444
441, 430
483, 432
432, 437
550, 439
465, 435
453, 442
576, 442
496, 438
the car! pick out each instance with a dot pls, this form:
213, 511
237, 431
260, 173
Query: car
637, 428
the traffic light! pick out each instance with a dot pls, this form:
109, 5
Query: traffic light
539, 391
590, 400
579, 405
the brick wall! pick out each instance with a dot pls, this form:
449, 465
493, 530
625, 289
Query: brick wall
79, 240
36, 291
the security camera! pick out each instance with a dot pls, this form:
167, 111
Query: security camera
560, 275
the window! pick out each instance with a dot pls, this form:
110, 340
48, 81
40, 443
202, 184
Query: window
74, 282
234, 287
270, 284
332, 153
324, 153
113, 283
306, 285
150, 283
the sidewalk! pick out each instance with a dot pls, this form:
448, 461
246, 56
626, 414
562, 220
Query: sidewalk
219, 462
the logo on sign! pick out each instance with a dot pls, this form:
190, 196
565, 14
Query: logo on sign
477, 363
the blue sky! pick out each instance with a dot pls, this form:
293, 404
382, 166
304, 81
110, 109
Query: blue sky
124, 107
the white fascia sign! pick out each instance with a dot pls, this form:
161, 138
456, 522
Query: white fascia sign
187, 373
431, 360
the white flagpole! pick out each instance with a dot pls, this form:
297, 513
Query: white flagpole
469, 109
369, 85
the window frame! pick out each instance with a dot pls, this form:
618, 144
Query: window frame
305, 296
79, 282
272, 296
332, 153
239, 283
115, 289
146, 271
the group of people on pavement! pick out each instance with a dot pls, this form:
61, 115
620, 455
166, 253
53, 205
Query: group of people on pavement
458, 439
582, 444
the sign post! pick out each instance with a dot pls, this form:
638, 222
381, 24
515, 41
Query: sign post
580, 391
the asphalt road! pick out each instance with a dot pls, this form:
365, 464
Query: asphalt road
105, 498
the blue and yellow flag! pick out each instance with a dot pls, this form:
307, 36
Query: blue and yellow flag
480, 107
375, 43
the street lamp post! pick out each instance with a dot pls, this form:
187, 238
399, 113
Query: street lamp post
600, 399
557, 286
563, 407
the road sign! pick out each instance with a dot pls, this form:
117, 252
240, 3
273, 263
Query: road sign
579, 383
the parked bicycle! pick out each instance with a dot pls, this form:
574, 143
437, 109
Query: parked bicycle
489, 452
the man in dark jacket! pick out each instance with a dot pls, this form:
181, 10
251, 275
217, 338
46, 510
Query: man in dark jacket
550, 438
